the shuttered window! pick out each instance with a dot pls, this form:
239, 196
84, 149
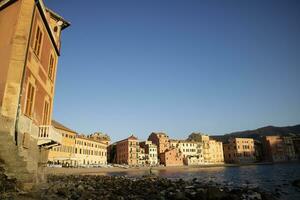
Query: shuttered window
51, 67
29, 100
46, 113
38, 41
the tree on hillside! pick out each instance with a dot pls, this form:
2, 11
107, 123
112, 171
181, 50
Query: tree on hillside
196, 137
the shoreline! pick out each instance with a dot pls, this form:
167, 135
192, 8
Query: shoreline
99, 171
107, 183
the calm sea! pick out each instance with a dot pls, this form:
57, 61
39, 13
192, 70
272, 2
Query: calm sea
273, 178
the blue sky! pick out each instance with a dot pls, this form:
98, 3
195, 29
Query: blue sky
178, 66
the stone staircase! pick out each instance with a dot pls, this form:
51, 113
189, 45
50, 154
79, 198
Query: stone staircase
15, 166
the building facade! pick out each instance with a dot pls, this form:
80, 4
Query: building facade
239, 150
127, 151
216, 155
171, 157
278, 148
211, 150
63, 154
90, 152
190, 150
150, 152
29, 49
161, 140
77, 150
143, 157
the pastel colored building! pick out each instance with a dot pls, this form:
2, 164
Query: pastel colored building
127, 151
63, 154
216, 155
90, 152
161, 140
142, 156
211, 150
77, 150
190, 150
278, 148
30, 44
239, 150
150, 152
171, 157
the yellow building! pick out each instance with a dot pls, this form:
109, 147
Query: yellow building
77, 150
216, 155
90, 152
211, 150
65, 153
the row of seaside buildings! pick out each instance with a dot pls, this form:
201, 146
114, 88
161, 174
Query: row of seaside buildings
96, 150
30, 46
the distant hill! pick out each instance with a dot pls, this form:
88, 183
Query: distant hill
264, 131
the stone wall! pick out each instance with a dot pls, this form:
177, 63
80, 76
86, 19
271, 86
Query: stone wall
25, 162
7, 186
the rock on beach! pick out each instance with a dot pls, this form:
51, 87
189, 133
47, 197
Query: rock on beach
148, 187
91, 187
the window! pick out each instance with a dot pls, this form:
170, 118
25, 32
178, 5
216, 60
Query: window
51, 67
38, 41
46, 113
29, 100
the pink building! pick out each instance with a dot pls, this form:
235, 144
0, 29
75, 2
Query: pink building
171, 158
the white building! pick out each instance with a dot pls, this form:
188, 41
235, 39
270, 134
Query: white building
191, 151
150, 152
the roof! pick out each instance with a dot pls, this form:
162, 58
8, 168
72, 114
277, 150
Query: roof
59, 18
84, 137
42, 9
132, 137
5, 3
58, 125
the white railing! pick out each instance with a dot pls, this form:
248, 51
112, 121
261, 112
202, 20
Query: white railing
49, 136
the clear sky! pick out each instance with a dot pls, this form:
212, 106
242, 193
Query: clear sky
178, 66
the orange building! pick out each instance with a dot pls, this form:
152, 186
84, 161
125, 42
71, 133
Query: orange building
127, 151
278, 148
161, 140
29, 48
171, 157
239, 150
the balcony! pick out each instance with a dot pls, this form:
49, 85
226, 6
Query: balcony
49, 137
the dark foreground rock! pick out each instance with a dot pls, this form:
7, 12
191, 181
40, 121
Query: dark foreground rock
122, 188
296, 183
